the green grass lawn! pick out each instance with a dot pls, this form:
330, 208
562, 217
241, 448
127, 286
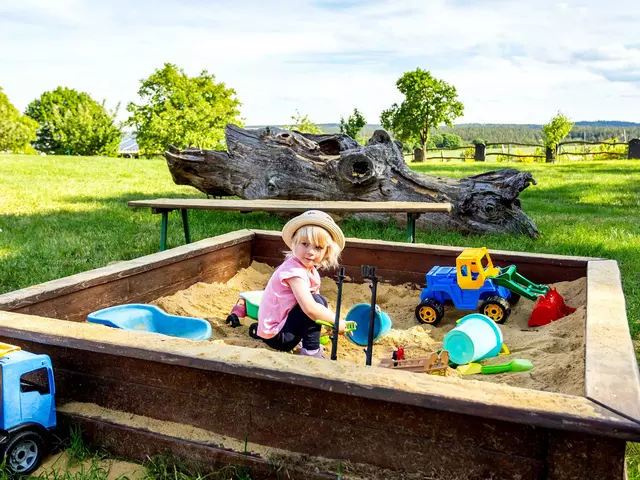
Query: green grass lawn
64, 215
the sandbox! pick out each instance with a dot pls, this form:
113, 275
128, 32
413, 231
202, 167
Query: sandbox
312, 417
557, 350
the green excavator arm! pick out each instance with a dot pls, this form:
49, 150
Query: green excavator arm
516, 283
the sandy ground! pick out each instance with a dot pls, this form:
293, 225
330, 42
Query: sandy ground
57, 465
556, 350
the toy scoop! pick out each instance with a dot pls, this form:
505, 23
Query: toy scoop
518, 365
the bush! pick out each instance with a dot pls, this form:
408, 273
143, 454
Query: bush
16, 131
611, 150
73, 123
468, 153
444, 140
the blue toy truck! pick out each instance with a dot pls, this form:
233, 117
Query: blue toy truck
27, 407
475, 280
442, 286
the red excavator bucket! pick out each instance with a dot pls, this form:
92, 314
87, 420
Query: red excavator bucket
549, 308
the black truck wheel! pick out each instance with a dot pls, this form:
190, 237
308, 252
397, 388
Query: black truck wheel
496, 308
253, 331
24, 452
430, 312
513, 298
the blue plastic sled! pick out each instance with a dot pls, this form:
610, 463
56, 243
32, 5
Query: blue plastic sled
149, 318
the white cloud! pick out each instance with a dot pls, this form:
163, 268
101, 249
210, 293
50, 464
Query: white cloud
512, 61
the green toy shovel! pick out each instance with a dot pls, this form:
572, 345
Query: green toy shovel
518, 365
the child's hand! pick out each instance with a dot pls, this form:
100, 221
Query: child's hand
346, 327
342, 326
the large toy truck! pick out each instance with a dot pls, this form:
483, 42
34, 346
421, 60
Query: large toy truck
27, 408
475, 283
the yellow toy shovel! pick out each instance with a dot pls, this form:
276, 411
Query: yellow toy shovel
518, 365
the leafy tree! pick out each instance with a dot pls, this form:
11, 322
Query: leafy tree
444, 140
353, 124
428, 103
556, 130
71, 122
182, 111
16, 130
478, 141
303, 124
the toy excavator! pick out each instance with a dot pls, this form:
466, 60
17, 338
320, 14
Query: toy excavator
475, 279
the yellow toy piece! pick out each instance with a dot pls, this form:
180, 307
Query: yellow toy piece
473, 267
6, 349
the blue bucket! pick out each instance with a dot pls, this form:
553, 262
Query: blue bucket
476, 337
141, 317
361, 313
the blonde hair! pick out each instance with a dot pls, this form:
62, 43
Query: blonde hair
316, 235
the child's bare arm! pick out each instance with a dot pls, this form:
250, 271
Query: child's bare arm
309, 306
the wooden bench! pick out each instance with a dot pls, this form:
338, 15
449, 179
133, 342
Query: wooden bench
165, 205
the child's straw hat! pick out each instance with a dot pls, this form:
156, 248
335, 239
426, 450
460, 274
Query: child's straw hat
312, 217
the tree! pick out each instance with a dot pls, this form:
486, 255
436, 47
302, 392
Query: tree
556, 130
16, 130
428, 103
303, 124
353, 125
73, 123
183, 111
445, 140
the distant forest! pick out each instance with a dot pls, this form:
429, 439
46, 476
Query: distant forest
497, 133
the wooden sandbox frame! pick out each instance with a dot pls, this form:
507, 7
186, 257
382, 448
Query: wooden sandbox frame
405, 422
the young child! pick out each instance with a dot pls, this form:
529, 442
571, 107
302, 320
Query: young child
291, 303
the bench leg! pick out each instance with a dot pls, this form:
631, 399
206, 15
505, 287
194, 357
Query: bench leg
185, 225
411, 227
163, 230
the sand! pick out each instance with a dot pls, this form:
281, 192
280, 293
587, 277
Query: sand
556, 350
59, 465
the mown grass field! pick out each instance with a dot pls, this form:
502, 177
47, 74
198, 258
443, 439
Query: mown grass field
64, 215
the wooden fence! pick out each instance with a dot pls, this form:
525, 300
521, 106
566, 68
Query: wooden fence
480, 152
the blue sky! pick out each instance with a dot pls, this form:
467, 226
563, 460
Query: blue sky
511, 61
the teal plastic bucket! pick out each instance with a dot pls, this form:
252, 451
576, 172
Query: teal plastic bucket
361, 313
475, 337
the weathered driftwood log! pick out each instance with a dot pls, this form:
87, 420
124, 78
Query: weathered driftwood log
280, 164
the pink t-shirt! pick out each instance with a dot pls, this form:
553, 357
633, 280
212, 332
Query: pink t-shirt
278, 298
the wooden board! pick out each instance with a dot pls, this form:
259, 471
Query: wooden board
384, 427
292, 205
142, 445
481, 399
399, 262
611, 372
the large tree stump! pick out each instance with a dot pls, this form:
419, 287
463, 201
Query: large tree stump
281, 164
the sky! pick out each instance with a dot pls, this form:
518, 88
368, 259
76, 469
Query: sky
511, 61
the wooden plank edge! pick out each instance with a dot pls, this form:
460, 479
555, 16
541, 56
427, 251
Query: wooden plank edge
292, 206
105, 434
552, 259
612, 379
546, 409
98, 276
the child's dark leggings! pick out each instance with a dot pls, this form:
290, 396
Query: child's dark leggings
298, 327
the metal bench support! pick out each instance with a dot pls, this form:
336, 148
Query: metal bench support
164, 225
411, 226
